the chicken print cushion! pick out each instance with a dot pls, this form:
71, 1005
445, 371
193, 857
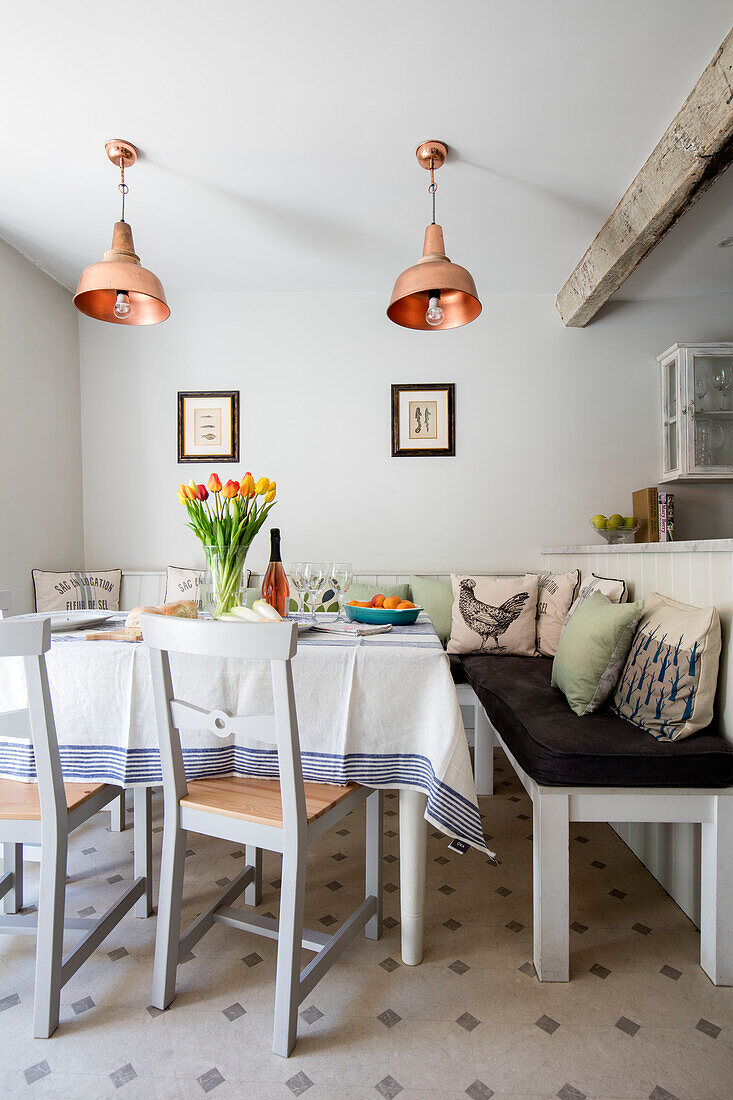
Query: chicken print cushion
494, 615
669, 680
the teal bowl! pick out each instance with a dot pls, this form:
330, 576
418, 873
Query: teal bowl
378, 616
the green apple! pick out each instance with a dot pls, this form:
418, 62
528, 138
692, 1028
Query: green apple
629, 521
599, 521
615, 520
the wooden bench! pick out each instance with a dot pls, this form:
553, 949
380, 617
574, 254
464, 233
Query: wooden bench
561, 760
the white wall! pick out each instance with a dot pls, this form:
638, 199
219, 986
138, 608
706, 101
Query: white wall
552, 426
40, 440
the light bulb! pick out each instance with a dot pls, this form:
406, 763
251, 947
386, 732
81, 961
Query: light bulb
122, 307
434, 315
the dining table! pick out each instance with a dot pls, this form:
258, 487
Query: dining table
378, 709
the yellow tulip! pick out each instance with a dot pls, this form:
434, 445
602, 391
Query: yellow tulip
270, 496
262, 487
247, 487
181, 496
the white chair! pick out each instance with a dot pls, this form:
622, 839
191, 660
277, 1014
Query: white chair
46, 813
281, 816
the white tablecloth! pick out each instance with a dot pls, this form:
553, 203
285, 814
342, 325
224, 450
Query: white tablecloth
380, 711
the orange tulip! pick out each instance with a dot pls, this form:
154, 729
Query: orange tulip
214, 484
247, 488
201, 492
262, 486
181, 496
190, 493
231, 489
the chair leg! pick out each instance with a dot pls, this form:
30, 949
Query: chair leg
13, 862
287, 982
253, 892
50, 940
716, 901
483, 752
117, 815
374, 843
143, 847
551, 887
170, 899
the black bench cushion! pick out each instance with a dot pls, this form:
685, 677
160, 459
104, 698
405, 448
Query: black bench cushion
556, 747
456, 669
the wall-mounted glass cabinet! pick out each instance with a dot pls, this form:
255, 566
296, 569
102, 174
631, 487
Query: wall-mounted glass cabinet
697, 412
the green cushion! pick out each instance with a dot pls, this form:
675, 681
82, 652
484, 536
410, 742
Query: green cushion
436, 596
592, 650
363, 592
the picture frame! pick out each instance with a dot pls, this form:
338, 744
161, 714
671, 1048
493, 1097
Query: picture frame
208, 426
423, 419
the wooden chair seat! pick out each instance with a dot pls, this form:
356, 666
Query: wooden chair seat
19, 801
259, 800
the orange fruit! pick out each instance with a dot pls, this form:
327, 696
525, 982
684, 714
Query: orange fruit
391, 602
405, 605
353, 603
363, 603
378, 600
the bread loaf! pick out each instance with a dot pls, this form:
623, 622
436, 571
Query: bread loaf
182, 609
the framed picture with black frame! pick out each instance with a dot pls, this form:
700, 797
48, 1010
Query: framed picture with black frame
208, 426
423, 419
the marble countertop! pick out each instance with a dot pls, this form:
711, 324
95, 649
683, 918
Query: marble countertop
701, 545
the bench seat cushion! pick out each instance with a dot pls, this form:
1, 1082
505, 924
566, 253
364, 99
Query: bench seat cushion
457, 670
556, 747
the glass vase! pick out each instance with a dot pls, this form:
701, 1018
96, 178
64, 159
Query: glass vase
223, 580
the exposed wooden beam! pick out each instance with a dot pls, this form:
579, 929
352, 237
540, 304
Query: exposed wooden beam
694, 150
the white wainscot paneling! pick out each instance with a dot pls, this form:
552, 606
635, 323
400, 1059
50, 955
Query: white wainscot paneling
698, 576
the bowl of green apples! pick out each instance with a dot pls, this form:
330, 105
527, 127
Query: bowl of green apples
615, 528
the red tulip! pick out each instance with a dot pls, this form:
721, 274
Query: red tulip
214, 484
201, 492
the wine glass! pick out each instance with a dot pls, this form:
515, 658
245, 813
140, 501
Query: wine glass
702, 385
723, 382
340, 577
315, 582
297, 576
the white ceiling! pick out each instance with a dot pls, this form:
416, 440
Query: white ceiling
278, 138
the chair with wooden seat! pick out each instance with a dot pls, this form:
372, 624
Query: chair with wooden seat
283, 815
45, 814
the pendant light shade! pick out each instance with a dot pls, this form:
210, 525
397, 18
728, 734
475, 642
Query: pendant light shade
434, 293
415, 287
118, 289
118, 273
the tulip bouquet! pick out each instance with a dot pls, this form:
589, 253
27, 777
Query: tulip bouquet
226, 518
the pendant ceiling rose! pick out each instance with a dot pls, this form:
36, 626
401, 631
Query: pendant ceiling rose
434, 293
121, 149
119, 289
431, 155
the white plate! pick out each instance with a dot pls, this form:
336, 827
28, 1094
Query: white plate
69, 620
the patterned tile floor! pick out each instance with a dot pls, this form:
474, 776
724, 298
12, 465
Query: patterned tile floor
638, 1020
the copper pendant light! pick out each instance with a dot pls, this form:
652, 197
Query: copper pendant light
118, 289
434, 293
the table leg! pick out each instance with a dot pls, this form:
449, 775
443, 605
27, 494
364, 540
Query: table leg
143, 847
413, 855
117, 814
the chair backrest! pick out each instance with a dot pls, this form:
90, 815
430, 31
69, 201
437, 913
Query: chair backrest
31, 640
273, 642
4, 601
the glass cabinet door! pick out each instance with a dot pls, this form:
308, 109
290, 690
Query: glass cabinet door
710, 412
669, 417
